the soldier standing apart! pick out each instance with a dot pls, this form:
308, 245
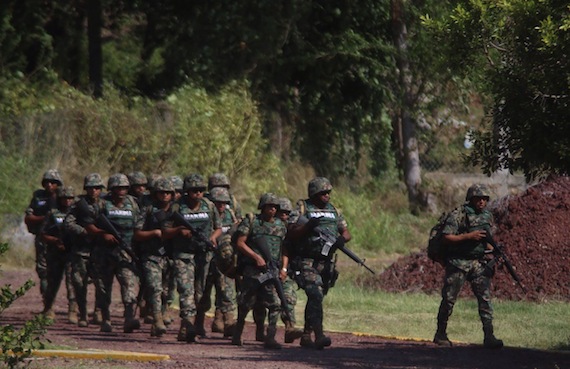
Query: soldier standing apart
115, 257
57, 252
224, 320
42, 202
83, 243
264, 227
315, 268
153, 254
190, 254
464, 233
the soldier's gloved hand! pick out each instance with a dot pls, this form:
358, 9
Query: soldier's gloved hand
339, 242
313, 223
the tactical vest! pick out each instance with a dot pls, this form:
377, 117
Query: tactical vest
42, 203
200, 219
472, 222
122, 218
273, 233
312, 245
155, 245
228, 218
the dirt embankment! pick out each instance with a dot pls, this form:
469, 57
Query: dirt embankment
534, 227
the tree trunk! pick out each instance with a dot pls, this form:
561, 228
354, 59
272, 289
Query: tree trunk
411, 159
94, 25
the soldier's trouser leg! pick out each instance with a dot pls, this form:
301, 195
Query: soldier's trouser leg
55, 269
184, 273
71, 298
203, 286
453, 281
129, 283
79, 280
269, 296
259, 314
41, 264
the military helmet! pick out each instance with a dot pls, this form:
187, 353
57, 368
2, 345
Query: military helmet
163, 184
52, 175
479, 190
220, 194
218, 180
152, 180
194, 180
66, 192
93, 180
137, 178
285, 204
318, 185
177, 182
268, 199
117, 180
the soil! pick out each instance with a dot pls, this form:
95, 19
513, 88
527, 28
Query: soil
534, 227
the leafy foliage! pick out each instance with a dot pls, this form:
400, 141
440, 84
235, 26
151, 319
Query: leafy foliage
517, 51
17, 344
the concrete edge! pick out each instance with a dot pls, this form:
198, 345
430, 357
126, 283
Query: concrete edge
101, 355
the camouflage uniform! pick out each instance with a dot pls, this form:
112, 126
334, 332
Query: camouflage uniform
191, 257
154, 258
315, 272
41, 203
225, 286
250, 291
111, 261
82, 243
57, 255
466, 262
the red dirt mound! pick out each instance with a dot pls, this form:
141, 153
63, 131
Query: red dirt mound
534, 227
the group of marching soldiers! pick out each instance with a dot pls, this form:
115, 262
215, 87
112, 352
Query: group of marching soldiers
162, 235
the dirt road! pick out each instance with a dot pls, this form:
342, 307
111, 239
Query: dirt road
347, 350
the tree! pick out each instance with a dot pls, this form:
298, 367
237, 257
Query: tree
517, 52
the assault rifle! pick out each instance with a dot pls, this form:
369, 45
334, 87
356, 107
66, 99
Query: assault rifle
501, 258
331, 242
272, 274
105, 224
199, 236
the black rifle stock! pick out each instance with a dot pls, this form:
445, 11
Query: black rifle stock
500, 257
332, 242
272, 274
179, 218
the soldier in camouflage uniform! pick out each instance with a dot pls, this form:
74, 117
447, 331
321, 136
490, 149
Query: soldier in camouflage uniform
57, 253
83, 243
464, 232
316, 272
264, 227
169, 287
110, 258
224, 321
152, 250
138, 184
289, 286
191, 257
221, 180
42, 202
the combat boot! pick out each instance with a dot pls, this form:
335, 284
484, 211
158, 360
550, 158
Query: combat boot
291, 333
167, 315
218, 322
269, 342
49, 313
306, 340
321, 341
106, 325
199, 324
97, 316
131, 323
490, 341
72, 312
187, 332
441, 339
158, 328
82, 322
229, 324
